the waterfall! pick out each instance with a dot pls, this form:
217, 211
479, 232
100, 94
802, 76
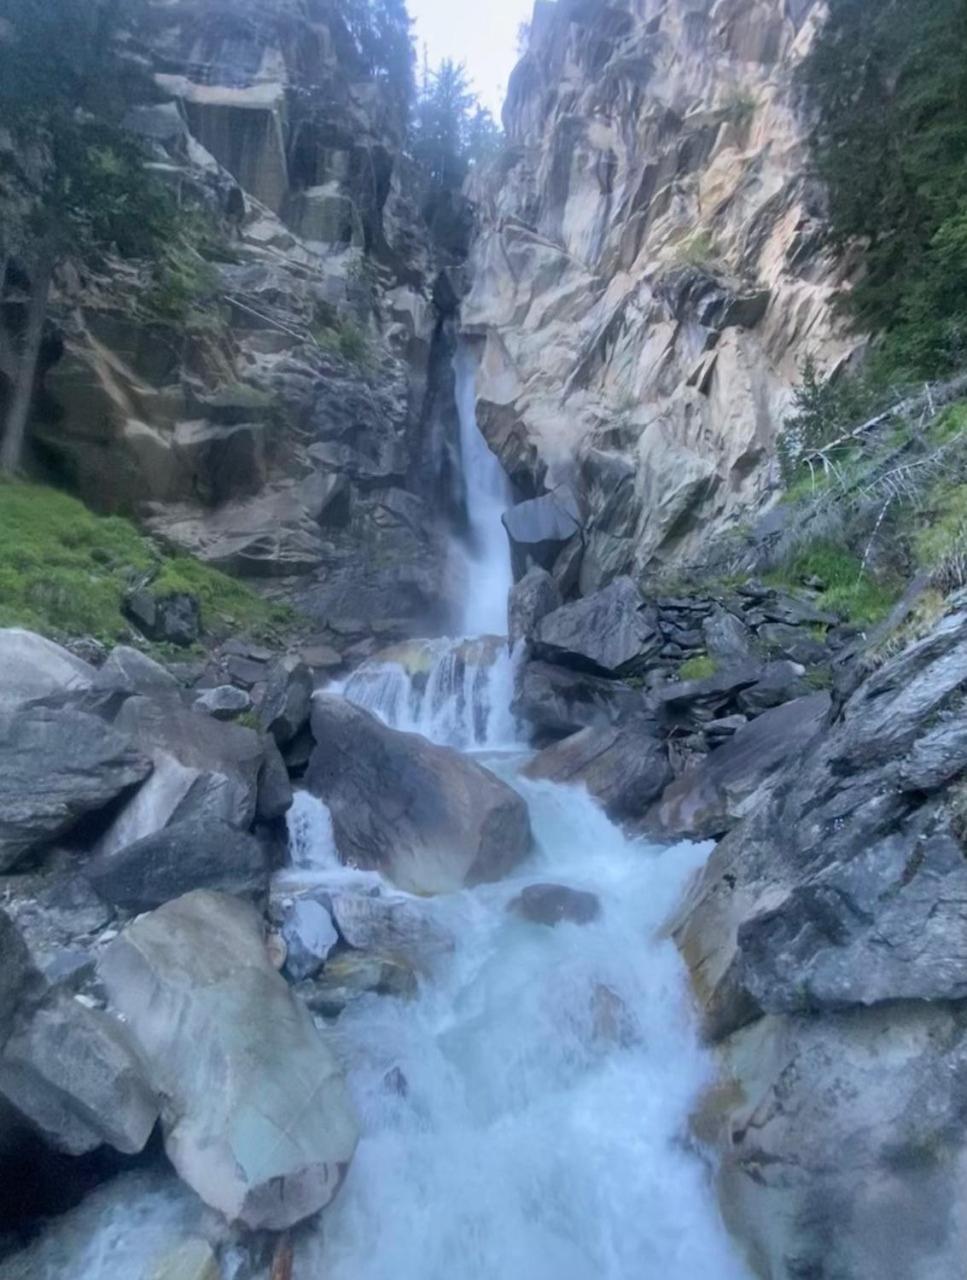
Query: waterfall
488, 568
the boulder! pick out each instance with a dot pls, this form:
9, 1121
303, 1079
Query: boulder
224, 702
33, 668
427, 817
553, 904
309, 936
288, 699
55, 767
202, 769
558, 701
624, 767
256, 1116
716, 793
531, 600
200, 853
74, 1073
540, 527
130, 671
611, 632
727, 638
390, 925
171, 619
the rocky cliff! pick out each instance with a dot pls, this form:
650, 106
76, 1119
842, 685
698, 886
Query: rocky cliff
649, 274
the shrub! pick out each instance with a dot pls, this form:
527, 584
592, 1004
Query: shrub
700, 667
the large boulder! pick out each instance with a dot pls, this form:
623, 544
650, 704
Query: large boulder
430, 819
201, 853
75, 1074
287, 701
612, 632
130, 671
718, 791
531, 600
202, 769
558, 701
390, 925
540, 527
32, 668
256, 1117
624, 767
55, 767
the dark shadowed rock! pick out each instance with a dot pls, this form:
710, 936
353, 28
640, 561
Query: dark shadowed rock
624, 767
531, 600
55, 767
429, 818
274, 788
17, 975
173, 619
552, 904
203, 853
288, 698
74, 1073
256, 1116
611, 632
558, 701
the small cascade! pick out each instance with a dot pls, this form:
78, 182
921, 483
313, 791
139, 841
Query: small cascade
456, 693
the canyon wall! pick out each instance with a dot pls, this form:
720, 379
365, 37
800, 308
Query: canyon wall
649, 273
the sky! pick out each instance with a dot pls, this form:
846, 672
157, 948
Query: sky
481, 33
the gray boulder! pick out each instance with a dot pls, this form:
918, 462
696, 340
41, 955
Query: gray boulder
172, 619
557, 701
201, 853
224, 702
32, 668
130, 671
55, 767
428, 818
309, 936
727, 638
531, 600
256, 1117
540, 527
553, 904
611, 632
287, 701
202, 769
624, 767
74, 1073
403, 928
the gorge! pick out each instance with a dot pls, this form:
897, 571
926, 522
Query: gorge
482, 663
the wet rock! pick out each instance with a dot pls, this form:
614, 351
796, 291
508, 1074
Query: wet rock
173, 619
552, 904
558, 701
224, 702
394, 926
55, 767
74, 1073
256, 1116
611, 632
396, 1082
624, 767
531, 600
309, 936
203, 853
284, 711
430, 819
32, 668
130, 671
612, 1022
274, 788
350, 975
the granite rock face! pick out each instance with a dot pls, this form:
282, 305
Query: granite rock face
649, 273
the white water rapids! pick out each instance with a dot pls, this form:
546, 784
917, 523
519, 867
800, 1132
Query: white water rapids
537, 1123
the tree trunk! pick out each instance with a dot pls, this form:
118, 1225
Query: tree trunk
18, 414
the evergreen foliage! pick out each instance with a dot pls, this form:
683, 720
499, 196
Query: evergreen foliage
452, 131
888, 83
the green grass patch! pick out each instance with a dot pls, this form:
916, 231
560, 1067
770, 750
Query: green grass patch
701, 667
940, 543
344, 338
64, 571
850, 592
